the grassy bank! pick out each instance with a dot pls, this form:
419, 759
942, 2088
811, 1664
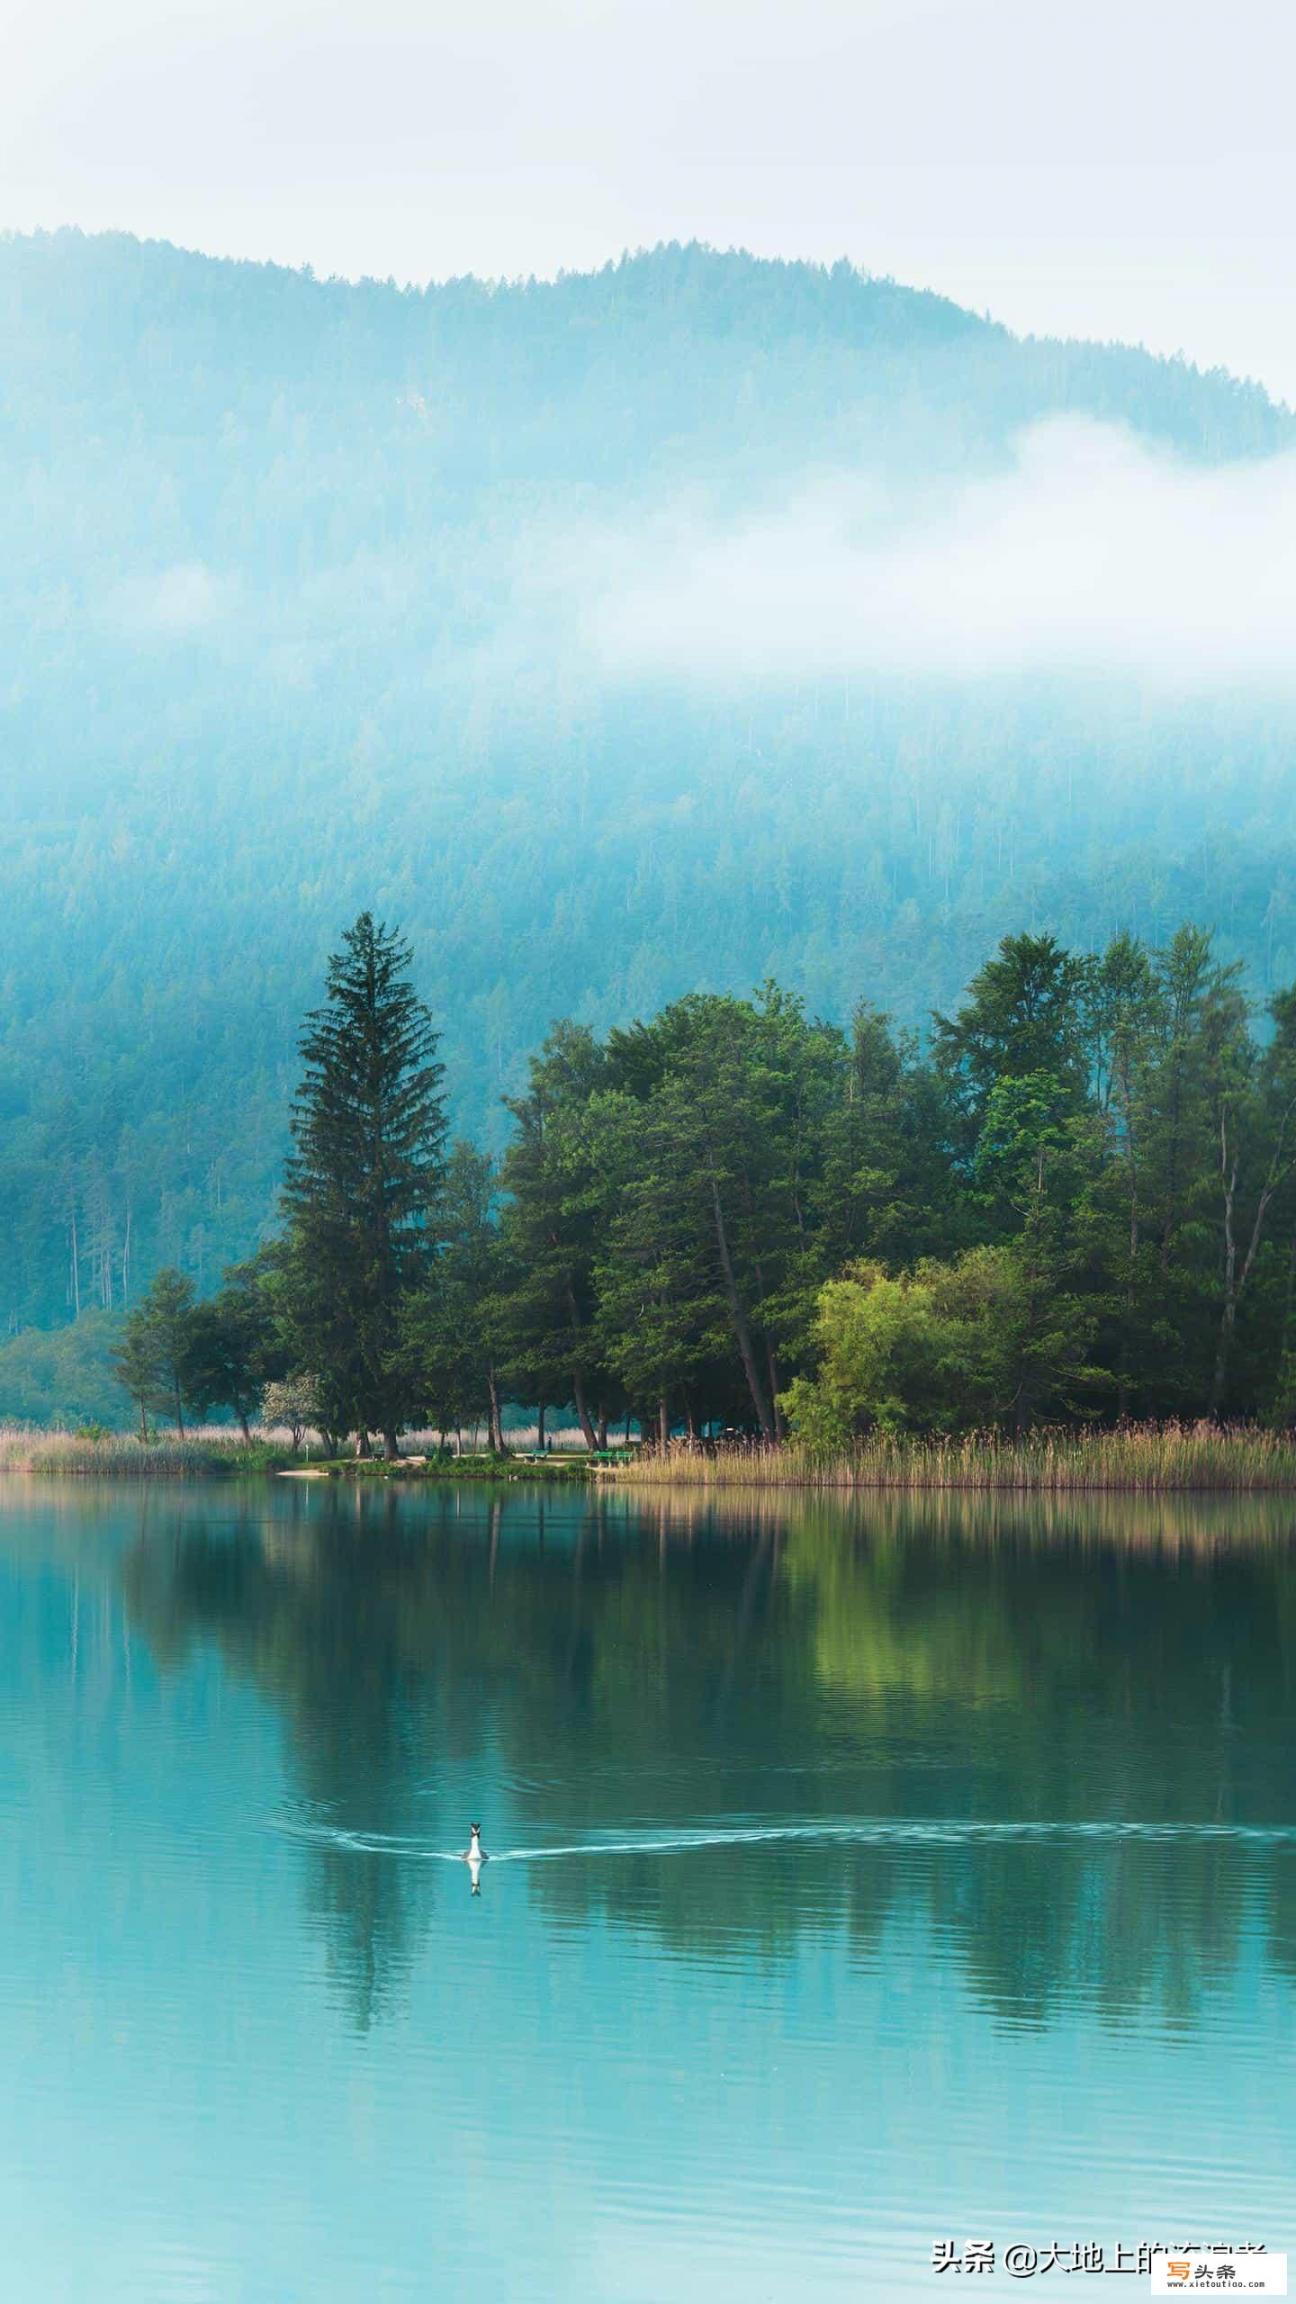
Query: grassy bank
455, 1468
1148, 1458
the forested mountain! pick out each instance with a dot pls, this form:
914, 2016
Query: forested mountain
305, 591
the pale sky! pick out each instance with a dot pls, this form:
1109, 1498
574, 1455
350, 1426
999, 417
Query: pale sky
1113, 168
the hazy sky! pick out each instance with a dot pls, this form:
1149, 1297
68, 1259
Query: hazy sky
1117, 168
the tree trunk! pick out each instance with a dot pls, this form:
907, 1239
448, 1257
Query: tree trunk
1172, 1169
496, 1426
362, 1442
1131, 1280
391, 1446
1284, 1346
179, 1413
1228, 1317
738, 1317
1223, 1351
244, 1426
663, 1425
540, 1429
578, 1380
584, 1418
602, 1428
780, 1429
1235, 1282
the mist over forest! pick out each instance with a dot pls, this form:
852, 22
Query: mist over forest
691, 623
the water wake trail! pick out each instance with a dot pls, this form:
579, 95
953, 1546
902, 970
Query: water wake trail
879, 1832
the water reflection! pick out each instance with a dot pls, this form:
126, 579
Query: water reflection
613, 1673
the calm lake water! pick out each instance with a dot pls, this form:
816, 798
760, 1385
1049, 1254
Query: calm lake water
862, 1877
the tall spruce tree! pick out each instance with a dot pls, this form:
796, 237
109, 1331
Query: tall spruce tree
368, 1130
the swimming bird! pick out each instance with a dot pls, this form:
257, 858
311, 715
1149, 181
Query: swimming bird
474, 1856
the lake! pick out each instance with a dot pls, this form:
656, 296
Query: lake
863, 1877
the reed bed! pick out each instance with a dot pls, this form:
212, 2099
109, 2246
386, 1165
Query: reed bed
1142, 1458
122, 1455
202, 1454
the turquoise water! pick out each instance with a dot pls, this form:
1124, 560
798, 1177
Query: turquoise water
860, 1878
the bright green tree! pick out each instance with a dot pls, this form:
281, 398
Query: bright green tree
946, 1348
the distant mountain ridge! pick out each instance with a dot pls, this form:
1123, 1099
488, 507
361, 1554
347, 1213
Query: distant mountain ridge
283, 633
83, 314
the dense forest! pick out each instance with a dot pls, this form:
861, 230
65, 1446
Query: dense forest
734, 1218
296, 580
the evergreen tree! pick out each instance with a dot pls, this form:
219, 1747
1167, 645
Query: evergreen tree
368, 1129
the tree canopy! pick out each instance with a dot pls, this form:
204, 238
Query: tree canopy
734, 1217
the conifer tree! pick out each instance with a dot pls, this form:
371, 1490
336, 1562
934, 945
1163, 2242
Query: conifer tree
368, 1130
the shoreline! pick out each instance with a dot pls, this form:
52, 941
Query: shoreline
56, 1455
1135, 1460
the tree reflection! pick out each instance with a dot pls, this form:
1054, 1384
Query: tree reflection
631, 1670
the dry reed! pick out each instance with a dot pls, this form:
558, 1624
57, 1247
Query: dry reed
118, 1455
1145, 1458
